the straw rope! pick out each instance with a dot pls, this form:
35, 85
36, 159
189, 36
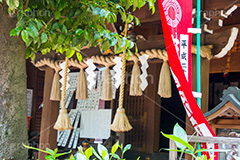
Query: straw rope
64, 83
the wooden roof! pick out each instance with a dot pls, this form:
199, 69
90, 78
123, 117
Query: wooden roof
229, 106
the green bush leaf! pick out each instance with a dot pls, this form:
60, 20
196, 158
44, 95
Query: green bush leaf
33, 27
126, 148
57, 14
114, 148
179, 140
89, 152
179, 132
79, 57
25, 36
96, 154
50, 151
70, 53
102, 150
44, 37
16, 31
75, 41
61, 154
28, 147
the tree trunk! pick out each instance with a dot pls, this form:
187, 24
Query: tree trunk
13, 100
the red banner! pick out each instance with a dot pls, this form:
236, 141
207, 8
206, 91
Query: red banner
176, 17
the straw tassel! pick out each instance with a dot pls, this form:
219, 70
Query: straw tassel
135, 89
82, 91
55, 91
164, 86
63, 120
107, 85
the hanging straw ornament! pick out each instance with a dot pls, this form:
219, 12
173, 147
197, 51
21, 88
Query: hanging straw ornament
107, 80
135, 89
164, 85
55, 91
82, 90
120, 121
63, 120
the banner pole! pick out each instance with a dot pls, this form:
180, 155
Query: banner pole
198, 59
198, 52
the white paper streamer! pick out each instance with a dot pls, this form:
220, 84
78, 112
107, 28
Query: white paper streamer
91, 75
118, 71
143, 76
62, 65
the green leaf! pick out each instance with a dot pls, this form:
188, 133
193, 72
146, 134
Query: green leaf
55, 151
62, 4
174, 150
44, 37
180, 133
128, 54
16, 31
70, 53
64, 28
25, 36
136, 49
116, 156
105, 45
138, 158
39, 25
50, 151
78, 32
28, 147
179, 140
137, 21
55, 26
49, 157
32, 26
61, 154
96, 154
57, 14
126, 148
79, 57
61, 38
72, 158
12, 4
102, 150
75, 41
30, 32
89, 152
115, 147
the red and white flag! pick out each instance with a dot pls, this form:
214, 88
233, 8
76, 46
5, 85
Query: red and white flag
176, 17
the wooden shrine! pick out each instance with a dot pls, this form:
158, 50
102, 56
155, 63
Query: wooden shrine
226, 114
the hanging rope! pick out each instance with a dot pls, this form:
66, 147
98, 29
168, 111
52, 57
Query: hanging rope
120, 122
63, 120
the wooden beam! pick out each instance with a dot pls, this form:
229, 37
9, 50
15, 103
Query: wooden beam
152, 108
219, 65
48, 136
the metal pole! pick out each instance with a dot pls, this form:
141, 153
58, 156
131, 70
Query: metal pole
198, 52
198, 59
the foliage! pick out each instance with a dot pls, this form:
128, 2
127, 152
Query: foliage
52, 155
68, 26
180, 138
102, 153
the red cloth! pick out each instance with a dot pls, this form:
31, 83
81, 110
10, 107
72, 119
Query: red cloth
194, 113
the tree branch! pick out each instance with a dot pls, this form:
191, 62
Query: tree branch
46, 25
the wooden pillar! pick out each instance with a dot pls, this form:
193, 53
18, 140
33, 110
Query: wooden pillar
48, 136
152, 103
